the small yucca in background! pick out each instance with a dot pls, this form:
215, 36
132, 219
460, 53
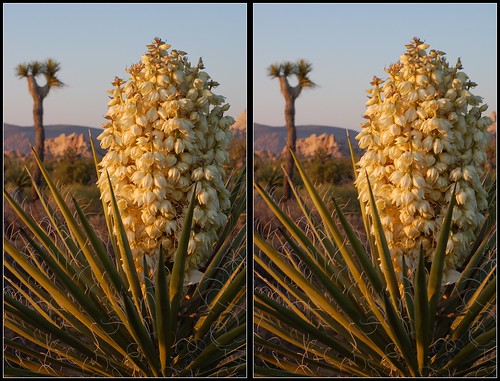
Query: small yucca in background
418, 298
73, 308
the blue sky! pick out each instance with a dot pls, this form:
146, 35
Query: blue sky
96, 42
348, 44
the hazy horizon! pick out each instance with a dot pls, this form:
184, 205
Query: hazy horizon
255, 122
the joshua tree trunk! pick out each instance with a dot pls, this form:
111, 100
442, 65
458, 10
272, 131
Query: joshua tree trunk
38, 93
290, 94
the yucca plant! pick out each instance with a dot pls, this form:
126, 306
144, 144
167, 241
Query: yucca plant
78, 306
332, 305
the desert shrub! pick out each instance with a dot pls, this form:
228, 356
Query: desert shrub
326, 169
73, 168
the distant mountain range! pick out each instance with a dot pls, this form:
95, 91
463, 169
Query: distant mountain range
266, 138
18, 138
273, 139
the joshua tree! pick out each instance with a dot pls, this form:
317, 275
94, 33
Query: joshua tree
30, 71
301, 70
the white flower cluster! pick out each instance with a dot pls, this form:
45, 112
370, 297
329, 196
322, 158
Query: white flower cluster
165, 133
424, 133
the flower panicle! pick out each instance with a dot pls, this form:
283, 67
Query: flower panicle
424, 132
165, 132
